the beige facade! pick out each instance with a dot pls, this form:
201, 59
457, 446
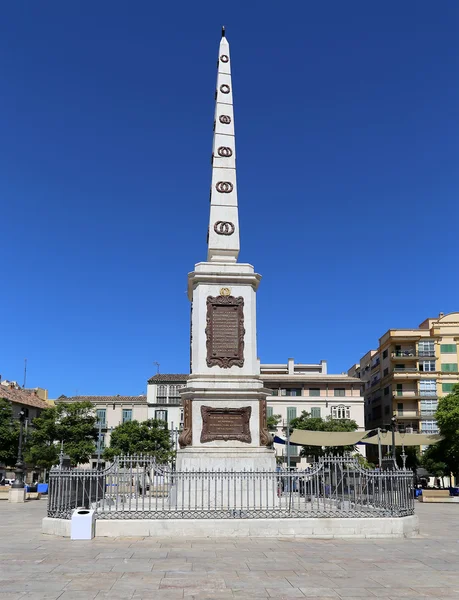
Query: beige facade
408, 372
308, 387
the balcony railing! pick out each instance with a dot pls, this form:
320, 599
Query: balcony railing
175, 400
428, 393
408, 413
101, 424
411, 352
426, 353
405, 370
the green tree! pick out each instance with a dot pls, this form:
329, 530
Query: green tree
9, 434
305, 421
273, 421
432, 460
74, 424
150, 437
447, 416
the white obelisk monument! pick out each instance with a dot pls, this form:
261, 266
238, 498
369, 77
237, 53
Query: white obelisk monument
224, 401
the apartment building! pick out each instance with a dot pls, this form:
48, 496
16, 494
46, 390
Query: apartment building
308, 387
295, 388
408, 372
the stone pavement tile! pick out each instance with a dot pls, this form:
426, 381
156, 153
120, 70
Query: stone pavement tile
130, 565
310, 581
158, 595
29, 585
130, 586
243, 595
439, 592
346, 592
184, 582
111, 595
150, 554
90, 584
280, 574
11, 595
166, 565
395, 592
319, 592
78, 595
284, 593
212, 595
108, 554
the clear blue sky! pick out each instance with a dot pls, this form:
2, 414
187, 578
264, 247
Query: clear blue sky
347, 129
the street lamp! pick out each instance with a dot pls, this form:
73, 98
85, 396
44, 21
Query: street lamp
19, 466
393, 423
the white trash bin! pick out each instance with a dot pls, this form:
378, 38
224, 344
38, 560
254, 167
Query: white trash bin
82, 526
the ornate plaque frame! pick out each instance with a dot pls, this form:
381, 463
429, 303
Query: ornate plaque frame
227, 360
186, 435
207, 412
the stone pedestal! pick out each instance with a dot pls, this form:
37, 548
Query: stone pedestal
17, 495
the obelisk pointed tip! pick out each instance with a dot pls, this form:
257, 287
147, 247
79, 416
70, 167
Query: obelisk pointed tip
223, 31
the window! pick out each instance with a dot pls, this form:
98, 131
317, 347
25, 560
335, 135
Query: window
430, 427
340, 392
447, 387
174, 391
294, 392
385, 353
127, 414
294, 450
283, 392
161, 415
399, 367
428, 387
291, 413
427, 366
386, 391
399, 389
315, 412
314, 391
385, 372
274, 392
101, 416
428, 407
386, 410
162, 393
448, 348
449, 367
400, 409
340, 412
426, 348
269, 411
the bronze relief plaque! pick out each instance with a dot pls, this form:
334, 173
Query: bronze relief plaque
226, 424
225, 331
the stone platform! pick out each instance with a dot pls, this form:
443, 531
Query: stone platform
320, 528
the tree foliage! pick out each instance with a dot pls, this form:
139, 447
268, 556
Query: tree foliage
150, 437
74, 424
9, 434
305, 421
442, 459
273, 422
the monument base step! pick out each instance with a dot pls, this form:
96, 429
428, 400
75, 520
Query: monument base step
326, 528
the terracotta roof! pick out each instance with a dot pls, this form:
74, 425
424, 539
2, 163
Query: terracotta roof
168, 377
104, 399
18, 396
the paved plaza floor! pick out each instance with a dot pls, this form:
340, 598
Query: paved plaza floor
36, 566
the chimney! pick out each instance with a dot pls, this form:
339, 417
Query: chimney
441, 315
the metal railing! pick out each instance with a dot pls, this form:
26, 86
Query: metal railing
135, 487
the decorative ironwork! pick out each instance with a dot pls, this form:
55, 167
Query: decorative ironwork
186, 436
225, 119
225, 151
225, 88
224, 58
266, 438
225, 331
224, 228
226, 424
136, 487
224, 187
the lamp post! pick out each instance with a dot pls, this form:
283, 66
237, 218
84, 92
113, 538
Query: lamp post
393, 423
19, 466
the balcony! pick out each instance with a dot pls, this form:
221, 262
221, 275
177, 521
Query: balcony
408, 413
375, 364
405, 370
101, 424
174, 400
412, 354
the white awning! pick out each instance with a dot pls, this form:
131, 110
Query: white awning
404, 439
326, 438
